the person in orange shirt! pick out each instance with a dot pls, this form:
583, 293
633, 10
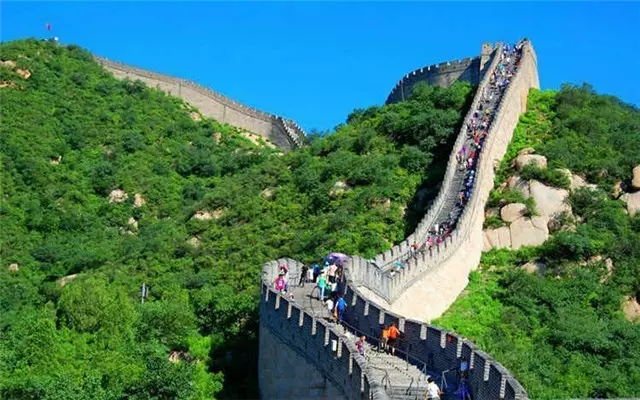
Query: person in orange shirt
393, 337
385, 339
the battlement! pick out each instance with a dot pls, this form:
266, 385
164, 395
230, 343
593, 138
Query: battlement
284, 133
436, 348
313, 339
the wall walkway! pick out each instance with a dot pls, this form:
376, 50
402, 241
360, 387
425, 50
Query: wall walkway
438, 275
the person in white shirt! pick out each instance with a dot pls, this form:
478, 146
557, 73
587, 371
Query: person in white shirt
329, 304
433, 391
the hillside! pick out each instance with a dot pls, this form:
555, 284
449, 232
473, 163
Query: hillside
108, 184
553, 314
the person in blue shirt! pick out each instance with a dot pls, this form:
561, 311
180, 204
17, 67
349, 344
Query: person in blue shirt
341, 306
316, 272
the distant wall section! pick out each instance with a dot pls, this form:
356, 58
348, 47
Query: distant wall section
282, 132
443, 74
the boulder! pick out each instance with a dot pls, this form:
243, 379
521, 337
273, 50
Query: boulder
217, 137
534, 267
577, 182
8, 63
497, 238
633, 202
519, 184
14, 267
138, 200
526, 151
528, 232
527, 159
194, 241
133, 222
617, 191
117, 196
195, 116
62, 282
549, 201
631, 309
204, 215
267, 193
55, 160
635, 181
25, 74
511, 212
339, 188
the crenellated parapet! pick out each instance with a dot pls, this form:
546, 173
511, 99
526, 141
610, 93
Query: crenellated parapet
444, 74
295, 324
282, 132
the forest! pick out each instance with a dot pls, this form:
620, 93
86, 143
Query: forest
562, 331
108, 185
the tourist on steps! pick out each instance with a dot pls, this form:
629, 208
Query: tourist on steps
322, 284
393, 337
341, 306
303, 275
433, 391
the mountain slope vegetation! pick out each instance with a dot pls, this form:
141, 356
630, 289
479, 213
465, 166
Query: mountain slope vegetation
108, 185
561, 331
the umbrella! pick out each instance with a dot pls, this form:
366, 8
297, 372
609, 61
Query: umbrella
339, 256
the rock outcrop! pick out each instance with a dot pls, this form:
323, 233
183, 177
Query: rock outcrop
118, 196
528, 232
14, 267
635, 181
526, 159
534, 267
631, 309
632, 201
499, 238
339, 188
519, 184
138, 200
549, 201
512, 212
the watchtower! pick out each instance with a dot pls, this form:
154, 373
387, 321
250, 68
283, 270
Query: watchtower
485, 54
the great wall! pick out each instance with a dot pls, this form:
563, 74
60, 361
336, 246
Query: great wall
282, 132
303, 355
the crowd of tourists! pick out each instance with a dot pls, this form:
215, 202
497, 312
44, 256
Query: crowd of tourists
326, 277
477, 128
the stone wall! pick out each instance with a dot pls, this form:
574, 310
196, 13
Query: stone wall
284, 133
443, 74
438, 277
285, 322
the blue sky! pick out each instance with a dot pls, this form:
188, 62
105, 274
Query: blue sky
316, 62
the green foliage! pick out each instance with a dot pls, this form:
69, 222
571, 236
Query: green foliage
548, 176
561, 331
71, 134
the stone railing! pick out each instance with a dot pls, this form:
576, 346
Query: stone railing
375, 275
284, 132
440, 350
